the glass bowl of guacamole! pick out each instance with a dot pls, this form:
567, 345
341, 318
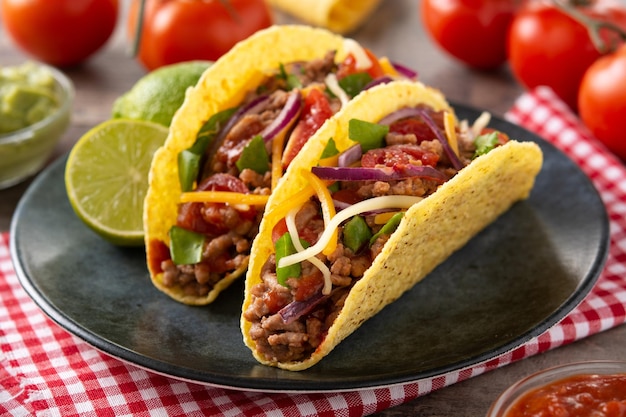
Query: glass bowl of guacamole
35, 109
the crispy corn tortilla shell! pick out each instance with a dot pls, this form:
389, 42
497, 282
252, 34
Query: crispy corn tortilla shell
430, 231
222, 86
341, 16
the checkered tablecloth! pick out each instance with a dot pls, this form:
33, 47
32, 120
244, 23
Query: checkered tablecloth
46, 371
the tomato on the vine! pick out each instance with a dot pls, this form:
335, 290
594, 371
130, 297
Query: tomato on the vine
473, 31
62, 32
185, 30
602, 100
548, 47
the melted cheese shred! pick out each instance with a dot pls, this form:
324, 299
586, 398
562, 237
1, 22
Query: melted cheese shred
376, 203
448, 121
290, 220
328, 207
277, 157
224, 197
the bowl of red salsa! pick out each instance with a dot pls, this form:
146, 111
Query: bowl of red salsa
582, 389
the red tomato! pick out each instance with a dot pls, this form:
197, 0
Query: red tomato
184, 30
279, 229
602, 100
315, 112
61, 32
548, 47
348, 66
473, 31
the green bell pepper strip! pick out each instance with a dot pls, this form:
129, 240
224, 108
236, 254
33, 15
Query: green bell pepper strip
369, 135
485, 143
356, 233
291, 79
189, 159
330, 149
389, 227
284, 247
254, 156
353, 84
185, 246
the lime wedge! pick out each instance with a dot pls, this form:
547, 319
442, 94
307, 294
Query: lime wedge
106, 177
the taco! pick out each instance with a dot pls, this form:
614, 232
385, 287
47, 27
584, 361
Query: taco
378, 197
229, 143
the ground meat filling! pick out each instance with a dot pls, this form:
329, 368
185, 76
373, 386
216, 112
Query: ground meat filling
281, 340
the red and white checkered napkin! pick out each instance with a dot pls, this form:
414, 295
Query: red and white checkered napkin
46, 371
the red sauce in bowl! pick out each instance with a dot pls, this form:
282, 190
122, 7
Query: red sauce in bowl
586, 395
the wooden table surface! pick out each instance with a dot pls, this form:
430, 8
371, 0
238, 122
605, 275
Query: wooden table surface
394, 31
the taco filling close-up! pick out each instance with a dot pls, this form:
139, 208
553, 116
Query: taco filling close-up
326, 237
237, 157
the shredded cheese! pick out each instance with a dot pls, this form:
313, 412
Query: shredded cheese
223, 197
331, 161
290, 220
273, 216
480, 123
388, 68
376, 203
277, 157
328, 207
382, 218
335, 88
362, 61
448, 121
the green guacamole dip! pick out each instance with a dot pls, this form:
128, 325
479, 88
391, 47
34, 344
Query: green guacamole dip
35, 109
28, 94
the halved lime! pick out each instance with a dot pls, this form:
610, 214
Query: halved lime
106, 177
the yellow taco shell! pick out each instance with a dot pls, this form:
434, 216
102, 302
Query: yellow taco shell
341, 16
222, 86
440, 224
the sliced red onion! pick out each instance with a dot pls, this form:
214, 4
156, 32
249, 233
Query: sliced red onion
290, 111
350, 155
251, 107
403, 113
454, 159
340, 205
380, 80
296, 309
405, 71
377, 174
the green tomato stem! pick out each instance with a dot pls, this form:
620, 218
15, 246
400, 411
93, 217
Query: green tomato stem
593, 26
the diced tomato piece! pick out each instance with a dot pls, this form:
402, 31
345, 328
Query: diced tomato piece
279, 230
309, 285
160, 252
314, 113
348, 66
502, 137
347, 195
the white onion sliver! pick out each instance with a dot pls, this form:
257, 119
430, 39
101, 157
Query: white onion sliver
350, 155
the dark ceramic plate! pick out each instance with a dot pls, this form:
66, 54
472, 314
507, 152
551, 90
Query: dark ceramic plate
510, 283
